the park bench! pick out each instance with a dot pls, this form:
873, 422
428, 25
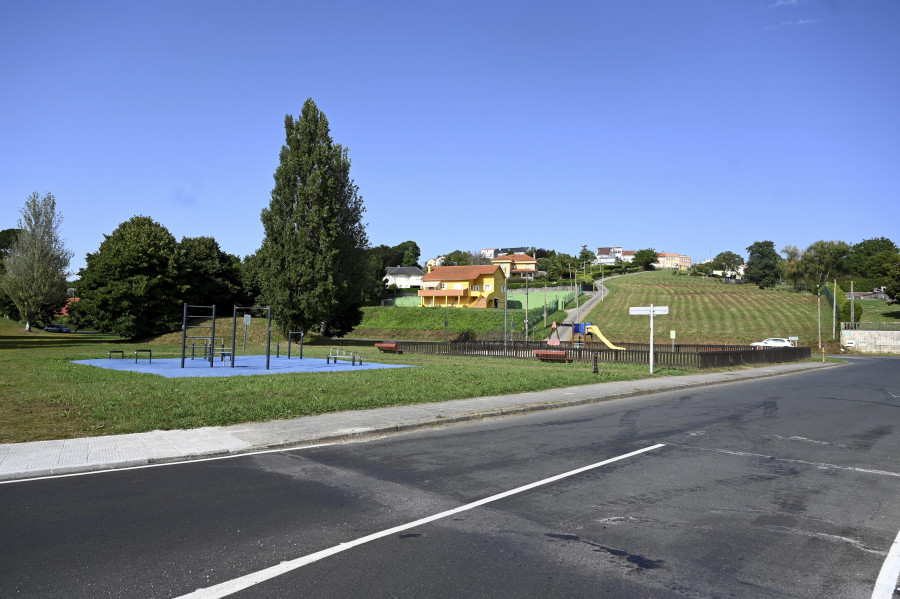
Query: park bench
546, 355
389, 347
340, 354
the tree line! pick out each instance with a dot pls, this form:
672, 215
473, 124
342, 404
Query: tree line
870, 264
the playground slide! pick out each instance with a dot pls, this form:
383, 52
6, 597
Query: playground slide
593, 330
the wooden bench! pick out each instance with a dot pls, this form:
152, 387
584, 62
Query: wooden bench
389, 347
546, 355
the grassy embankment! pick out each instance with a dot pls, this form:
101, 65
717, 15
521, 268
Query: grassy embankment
427, 324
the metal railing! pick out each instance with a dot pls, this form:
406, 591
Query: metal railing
684, 356
870, 326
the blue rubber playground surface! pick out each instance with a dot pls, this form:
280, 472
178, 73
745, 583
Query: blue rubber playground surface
243, 366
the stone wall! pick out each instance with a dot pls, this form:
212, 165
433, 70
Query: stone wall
883, 342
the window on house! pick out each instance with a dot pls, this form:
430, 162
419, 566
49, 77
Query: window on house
442, 286
487, 287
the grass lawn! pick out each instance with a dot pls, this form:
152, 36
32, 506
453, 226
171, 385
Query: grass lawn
878, 310
705, 310
44, 396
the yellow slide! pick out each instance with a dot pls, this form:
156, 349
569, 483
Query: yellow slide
593, 330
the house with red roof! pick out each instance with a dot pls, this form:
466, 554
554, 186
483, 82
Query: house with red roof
517, 265
480, 286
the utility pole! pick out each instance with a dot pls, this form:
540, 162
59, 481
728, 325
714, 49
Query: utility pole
545, 304
526, 307
834, 310
819, 313
505, 309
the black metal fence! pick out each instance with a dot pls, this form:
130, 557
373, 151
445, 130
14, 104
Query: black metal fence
681, 356
870, 326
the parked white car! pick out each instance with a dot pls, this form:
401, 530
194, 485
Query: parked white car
773, 342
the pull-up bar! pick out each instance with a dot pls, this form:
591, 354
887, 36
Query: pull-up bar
268, 331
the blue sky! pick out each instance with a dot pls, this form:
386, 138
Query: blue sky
689, 126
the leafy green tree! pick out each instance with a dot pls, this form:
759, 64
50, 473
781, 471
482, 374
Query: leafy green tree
892, 286
251, 279
727, 261
313, 257
824, 260
458, 258
794, 268
763, 264
209, 275
132, 285
409, 259
34, 267
702, 269
646, 258
560, 265
409, 253
867, 258
586, 255
7, 306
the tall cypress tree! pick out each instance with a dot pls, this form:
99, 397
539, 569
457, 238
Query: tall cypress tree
312, 262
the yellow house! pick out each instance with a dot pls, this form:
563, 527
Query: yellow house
669, 260
464, 287
517, 265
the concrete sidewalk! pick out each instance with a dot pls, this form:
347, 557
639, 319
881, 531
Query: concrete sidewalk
47, 458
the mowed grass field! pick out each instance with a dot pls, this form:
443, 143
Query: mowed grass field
705, 310
44, 396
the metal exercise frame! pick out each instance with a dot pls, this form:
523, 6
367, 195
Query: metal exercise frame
268, 331
209, 338
290, 335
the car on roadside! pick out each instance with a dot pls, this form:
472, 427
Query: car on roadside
57, 328
773, 342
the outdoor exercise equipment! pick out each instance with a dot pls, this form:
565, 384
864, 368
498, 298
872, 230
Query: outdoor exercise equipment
268, 310
290, 335
206, 313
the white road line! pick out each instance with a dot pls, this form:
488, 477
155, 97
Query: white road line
238, 584
822, 465
183, 461
890, 572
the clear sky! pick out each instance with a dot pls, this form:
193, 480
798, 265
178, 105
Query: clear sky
689, 126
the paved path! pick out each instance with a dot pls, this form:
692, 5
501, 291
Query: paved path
43, 458
580, 313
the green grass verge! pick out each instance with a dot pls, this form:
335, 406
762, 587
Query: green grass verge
44, 396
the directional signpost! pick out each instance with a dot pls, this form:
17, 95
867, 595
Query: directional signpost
650, 311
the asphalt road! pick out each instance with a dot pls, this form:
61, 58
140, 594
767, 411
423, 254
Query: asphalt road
782, 487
